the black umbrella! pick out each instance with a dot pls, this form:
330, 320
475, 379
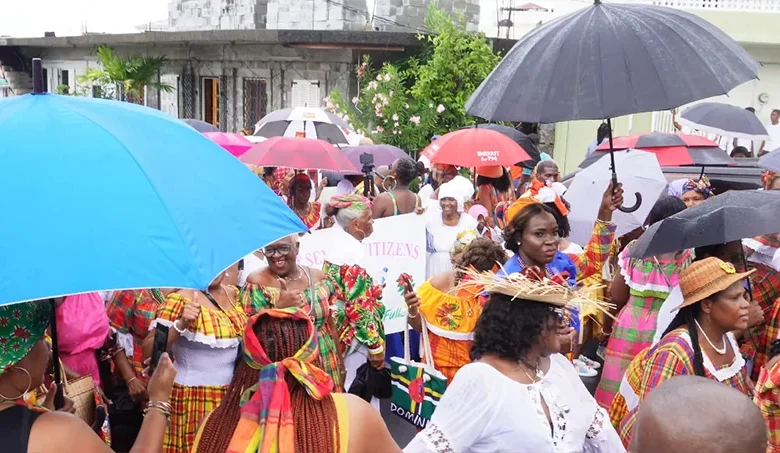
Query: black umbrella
521, 139
610, 60
331, 133
771, 161
201, 126
731, 216
724, 119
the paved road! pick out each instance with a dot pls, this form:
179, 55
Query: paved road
401, 430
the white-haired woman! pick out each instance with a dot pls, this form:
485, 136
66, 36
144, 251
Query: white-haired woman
285, 283
359, 302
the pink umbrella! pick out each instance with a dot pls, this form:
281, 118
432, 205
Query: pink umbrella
235, 144
298, 153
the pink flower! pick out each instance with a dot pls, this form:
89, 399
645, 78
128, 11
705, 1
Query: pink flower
364, 64
355, 100
415, 120
395, 117
360, 72
378, 106
440, 108
379, 77
380, 129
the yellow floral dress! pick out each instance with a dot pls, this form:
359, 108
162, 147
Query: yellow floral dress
205, 357
451, 320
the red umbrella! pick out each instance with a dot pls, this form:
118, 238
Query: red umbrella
672, 150
235, 144
475, 147
298, 153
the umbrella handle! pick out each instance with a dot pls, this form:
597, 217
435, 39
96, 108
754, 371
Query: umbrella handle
626, 209
636, 205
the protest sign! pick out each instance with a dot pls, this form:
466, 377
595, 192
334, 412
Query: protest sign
396, 246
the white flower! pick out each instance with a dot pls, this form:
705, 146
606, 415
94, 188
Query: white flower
406, 106
395, 117
372, 85
396, 124
395, 132
379, 129
440, 108
378, 106
326, 100
364, 64
379, 77
385, 101
392, 93
430, 105
415, 120
355, 100
387, 77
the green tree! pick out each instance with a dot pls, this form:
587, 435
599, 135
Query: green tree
126, 76
406, 107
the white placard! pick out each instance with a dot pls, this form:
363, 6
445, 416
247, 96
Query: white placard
397, 246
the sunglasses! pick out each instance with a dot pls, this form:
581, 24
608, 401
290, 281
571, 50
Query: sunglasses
282, 250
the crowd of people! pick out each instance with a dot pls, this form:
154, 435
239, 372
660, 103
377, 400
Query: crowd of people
265, 358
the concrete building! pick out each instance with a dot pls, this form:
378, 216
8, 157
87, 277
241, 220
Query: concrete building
230, 78
406, 15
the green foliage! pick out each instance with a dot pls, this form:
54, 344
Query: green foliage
406, 104
126, 75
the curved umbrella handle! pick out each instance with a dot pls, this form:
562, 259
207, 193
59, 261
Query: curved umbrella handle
636, 205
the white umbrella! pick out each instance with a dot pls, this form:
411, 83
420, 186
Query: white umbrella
304, 122
639, 172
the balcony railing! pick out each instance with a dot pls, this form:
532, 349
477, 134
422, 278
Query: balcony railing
768, 6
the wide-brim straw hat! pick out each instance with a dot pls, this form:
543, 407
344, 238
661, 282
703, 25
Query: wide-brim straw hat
704, 278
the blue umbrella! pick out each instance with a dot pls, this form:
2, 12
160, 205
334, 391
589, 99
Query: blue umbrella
104, 195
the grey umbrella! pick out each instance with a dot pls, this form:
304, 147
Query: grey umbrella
730, 216
771, 161
201, 126
610, 60
724, 119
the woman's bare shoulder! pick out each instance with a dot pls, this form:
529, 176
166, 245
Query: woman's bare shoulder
60, 431
444, 281
368, 432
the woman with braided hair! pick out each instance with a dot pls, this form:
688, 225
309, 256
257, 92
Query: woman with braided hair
288, 405
449, 315
358, 301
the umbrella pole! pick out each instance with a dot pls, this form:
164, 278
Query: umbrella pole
745, 264
614, 172
59, 397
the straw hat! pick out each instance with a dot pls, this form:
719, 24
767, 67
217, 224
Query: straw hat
704, 278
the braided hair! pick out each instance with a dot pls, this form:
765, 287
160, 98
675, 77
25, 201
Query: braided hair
315, 422
687, 317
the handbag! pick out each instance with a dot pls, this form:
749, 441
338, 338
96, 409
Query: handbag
371, 383
82, 392
417, 386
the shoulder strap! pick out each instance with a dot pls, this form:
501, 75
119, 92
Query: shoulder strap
395, 203
212, 300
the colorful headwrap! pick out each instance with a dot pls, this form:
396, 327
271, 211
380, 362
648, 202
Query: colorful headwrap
266, 424
348, 201
462, 241
518, 205
701, 185
768, 178
21, 327
279, 175
547, 194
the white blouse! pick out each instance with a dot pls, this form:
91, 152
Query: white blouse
483, 411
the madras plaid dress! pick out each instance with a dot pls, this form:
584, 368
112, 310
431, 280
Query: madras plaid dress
633, 378
673, 356
650, 281
131, 312
766, 290
255, 298
191, 404
767, 398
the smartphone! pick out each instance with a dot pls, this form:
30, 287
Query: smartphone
160, 346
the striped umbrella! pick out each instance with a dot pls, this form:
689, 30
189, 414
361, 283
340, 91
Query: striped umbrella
304, 122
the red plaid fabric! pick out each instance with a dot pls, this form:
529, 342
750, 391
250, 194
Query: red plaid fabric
597, 251
766, 290
131, 312
767, 397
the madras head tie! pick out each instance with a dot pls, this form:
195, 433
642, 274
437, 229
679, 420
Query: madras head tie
266, 424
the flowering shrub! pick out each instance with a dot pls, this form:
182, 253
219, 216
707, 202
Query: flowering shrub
405, 108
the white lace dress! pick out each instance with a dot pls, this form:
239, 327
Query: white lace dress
485, 411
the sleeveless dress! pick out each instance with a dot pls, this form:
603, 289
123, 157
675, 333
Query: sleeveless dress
16, 422
257, 298
205, 357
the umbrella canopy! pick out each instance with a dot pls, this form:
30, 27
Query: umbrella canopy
304, 122
235, 144
201, 126
724, 119
727, 217
475, 147
383, 154
298, 153
610, 60
771, 161
116, 195
672, 150
640, 173
521, 139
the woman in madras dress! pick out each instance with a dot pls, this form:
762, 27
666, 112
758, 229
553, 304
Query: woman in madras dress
298, 200
205, 329
358, 302
285, 283
451, 315
767, 397
640, 289
699, 339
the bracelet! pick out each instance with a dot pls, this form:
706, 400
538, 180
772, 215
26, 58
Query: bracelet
177, 328
410, 316
377, 350
162, 406
135, 378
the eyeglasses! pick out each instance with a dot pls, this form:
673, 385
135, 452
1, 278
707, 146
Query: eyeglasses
282, 250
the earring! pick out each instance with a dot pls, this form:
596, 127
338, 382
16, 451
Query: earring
227, 274
708, 318
384, 183
29, 383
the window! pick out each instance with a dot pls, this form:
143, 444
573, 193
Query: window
210, 100
45, 80
64, 81
169, 102
305, 93
97, 92
255, 101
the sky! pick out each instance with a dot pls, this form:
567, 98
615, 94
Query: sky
31, 18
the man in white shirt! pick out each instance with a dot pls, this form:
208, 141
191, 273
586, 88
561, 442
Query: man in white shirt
773, 129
